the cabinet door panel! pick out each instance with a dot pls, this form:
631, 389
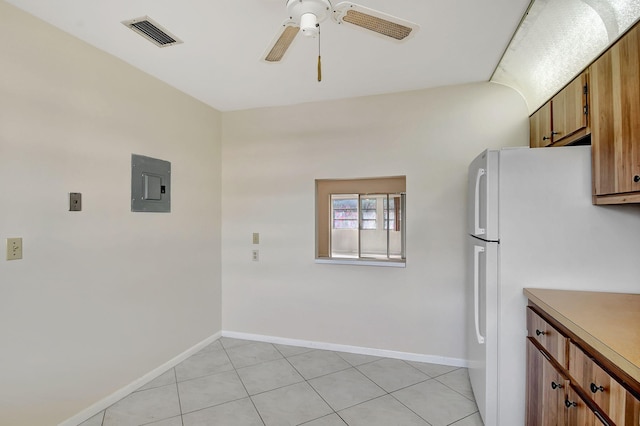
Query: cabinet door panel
568, 113
540, 127
545, 390
630, 108
615, 128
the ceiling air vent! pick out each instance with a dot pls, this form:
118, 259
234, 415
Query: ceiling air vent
153, 32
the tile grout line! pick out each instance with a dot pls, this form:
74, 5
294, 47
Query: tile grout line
309, 384
243, 385
466, 417
175, 376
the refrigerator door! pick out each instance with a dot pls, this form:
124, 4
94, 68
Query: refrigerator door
482, 196
482, 327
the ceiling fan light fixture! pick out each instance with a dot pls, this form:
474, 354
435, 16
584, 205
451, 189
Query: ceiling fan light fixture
307, 15
309, 25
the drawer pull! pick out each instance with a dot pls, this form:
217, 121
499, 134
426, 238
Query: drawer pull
555, 386
636, 178
595, 388
599, 416
569, 404
539, 333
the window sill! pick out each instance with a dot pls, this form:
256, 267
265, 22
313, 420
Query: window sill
363, 262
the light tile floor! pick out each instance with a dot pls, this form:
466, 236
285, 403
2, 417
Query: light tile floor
244, 383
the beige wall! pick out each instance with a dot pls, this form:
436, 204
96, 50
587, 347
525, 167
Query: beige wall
102, 296
271, 160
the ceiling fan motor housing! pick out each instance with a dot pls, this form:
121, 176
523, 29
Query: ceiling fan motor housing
308, 14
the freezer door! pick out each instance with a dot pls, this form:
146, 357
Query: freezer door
482, 325
482, 199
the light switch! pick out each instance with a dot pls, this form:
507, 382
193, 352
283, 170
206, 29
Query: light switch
14, 248
256, 238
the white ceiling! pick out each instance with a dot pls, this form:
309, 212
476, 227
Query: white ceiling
460, 41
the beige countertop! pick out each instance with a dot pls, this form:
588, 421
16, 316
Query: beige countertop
609, 322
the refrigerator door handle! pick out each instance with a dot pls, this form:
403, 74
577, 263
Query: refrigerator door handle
478, 229
476, 289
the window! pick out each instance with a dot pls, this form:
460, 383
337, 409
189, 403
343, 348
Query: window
361, 220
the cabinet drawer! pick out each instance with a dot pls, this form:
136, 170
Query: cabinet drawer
554, 342
612, 398
578, 412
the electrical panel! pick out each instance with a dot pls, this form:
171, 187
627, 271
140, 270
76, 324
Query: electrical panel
150, 184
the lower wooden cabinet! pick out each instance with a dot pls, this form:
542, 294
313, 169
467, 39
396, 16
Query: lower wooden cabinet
567, 385
614, 400
545, 389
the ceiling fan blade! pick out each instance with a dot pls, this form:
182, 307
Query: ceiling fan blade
374, 20
281, 42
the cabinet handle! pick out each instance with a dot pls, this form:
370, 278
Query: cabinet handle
555, 386
539, 333
594, 388
636, 178
569, 404
599, 416
555, 133
546, 138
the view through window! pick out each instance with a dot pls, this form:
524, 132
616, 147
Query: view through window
361, 219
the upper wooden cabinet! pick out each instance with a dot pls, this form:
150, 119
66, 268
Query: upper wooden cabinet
564, 119
540, 127
570, 111
615, 137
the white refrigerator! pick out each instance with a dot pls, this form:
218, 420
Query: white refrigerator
531, 223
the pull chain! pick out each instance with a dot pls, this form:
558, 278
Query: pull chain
319, 62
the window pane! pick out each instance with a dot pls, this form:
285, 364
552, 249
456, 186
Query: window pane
345, 211
344, 232
389, 213
373, 242
395, 228
369, 214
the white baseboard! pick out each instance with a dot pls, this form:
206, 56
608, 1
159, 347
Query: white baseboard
407, 356
105, 403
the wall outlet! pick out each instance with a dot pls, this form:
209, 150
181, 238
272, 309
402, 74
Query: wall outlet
14, 248
255, 255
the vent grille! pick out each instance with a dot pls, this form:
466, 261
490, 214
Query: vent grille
153, 32
379, 25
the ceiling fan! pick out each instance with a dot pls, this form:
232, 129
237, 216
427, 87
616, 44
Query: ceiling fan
305, 16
